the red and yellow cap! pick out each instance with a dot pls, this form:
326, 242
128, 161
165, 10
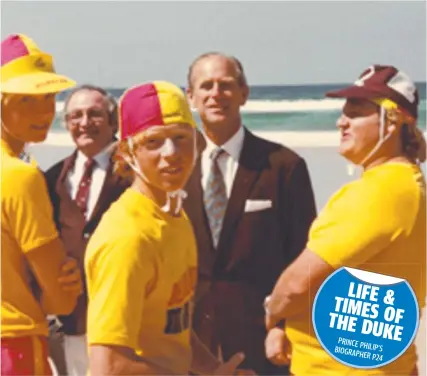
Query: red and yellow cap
152, 104
25, 69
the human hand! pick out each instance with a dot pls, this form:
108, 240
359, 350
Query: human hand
70, 277
278, 347
230, 367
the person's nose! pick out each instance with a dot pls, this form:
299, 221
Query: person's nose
84, 120
169, 149
342, 122
215, 91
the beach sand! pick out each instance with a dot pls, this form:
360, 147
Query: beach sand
327, 169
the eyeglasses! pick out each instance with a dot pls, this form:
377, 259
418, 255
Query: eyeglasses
93, 115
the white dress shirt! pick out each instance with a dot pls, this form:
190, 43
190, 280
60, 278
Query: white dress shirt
228, 162
98, 177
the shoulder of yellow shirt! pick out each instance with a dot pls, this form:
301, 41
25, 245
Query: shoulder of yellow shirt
388, 182
18, 170
118, 227
399, 177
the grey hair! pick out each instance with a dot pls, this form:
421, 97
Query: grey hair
241, 77
111, 101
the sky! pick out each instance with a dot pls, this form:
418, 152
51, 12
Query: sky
118, 44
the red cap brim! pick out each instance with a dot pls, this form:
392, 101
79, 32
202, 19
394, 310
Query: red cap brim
359, 92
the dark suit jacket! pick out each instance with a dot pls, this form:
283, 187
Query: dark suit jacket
73, 228
253, 248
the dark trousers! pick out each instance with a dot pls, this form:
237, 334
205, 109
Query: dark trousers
227, 330
56, 349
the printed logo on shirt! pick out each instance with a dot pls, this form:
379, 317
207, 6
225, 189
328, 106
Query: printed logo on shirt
178, 319
180, 307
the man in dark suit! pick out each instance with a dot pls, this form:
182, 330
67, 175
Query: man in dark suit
81, 188
251, 204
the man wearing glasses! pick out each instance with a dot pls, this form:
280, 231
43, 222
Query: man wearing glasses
81, 188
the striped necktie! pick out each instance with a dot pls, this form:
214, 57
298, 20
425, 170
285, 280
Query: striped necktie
215, 196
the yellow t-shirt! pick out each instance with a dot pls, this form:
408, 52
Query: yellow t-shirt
378, 224
141, 270
26, 224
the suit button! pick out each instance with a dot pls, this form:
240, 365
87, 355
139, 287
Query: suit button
86, 235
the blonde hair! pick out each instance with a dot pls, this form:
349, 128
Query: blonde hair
412, 138
124, 152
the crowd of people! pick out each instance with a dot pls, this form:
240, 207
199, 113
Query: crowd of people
162, 247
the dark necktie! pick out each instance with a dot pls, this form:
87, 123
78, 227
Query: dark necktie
215, 196
84, 186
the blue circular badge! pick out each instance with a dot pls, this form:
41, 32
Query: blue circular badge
364, 319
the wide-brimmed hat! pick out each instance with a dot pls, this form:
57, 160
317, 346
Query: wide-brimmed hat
25, 69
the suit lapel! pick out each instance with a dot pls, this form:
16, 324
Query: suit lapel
195, 193
194, 185
246, 176
69, 213
60, 185
110, 183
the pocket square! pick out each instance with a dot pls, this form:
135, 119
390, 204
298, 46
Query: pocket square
257, 205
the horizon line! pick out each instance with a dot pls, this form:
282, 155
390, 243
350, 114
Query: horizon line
421, 83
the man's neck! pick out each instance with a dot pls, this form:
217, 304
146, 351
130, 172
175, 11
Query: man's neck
17, 146
219, 135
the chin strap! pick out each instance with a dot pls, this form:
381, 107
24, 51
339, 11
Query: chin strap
383, 138
179, 194
134, 163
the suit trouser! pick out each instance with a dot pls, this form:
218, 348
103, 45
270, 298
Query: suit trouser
25, 356
226, 330
56, 351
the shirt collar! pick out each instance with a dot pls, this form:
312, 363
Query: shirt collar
102, 158
233, 146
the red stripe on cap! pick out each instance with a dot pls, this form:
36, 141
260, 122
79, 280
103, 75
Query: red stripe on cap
139, 110
12, 48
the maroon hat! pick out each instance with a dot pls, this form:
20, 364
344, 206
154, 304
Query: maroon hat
382, 81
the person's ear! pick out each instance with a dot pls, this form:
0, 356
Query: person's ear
189, 95
245, 94
115, 129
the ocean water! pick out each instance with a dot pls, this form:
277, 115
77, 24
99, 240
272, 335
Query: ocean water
293, 108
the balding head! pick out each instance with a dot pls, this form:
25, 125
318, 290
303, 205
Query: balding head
239, 71
217, 89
